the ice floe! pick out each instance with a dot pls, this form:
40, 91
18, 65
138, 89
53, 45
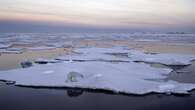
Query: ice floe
26, 64
162, 58
110, 54
121, 77
102, 50
93, 57
4, 46
96, 54
92, 68
41, 48
11, 51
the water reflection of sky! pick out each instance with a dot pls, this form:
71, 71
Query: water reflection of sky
28, 98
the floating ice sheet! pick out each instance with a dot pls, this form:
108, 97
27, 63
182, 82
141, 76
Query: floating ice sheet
96, 54
162, 58
107, 54
11, 51
93, 57
41, 48
129, 77
4, 46
102, 50
121, 77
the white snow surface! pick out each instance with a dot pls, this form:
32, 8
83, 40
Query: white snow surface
92, 57
104, 54
11, 51
39, 60
3, 46
126, 77
41, 48
122, 77
94, 54
102, 50
162, 58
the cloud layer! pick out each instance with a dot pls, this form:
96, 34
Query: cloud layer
102, 13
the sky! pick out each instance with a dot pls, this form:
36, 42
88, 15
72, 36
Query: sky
96, 15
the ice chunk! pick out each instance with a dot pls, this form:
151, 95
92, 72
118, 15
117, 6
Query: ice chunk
120, 77
26, 64
96, 54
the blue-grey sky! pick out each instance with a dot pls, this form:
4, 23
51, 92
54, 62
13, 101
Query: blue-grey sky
92, 15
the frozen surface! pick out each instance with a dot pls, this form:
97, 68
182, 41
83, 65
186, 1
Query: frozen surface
99, 50
92, 57
98, 71
67, 39
166, 59
11, 51
121, 77
41, 48
97, 54
4, 46
126, 55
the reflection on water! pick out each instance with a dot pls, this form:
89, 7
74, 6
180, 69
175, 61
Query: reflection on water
74, 92
20, 98
13, 61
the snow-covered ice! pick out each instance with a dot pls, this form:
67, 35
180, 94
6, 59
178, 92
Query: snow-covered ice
48, 72
162, 58
93, 57
11, 51
120, 77
96, 54
41, 48
4, 46
102, 50
107, 54
129, 77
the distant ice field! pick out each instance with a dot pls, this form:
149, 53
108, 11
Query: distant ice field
7, 40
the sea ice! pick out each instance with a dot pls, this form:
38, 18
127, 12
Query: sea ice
161, 58
96, 54
26, 64
121, 77
48, 72
11, 51
4, 46
102, 50
108, 54
41, 48
129, 77
93, 57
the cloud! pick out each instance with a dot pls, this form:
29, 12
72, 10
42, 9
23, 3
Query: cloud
105, 13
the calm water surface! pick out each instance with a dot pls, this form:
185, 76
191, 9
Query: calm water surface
20, 98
